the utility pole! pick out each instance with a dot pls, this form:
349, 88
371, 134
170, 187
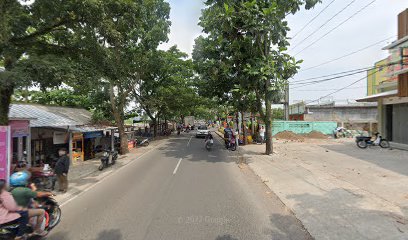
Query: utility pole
286, 102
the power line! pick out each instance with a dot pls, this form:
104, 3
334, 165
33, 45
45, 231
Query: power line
356, 13
323, 90
308, 23
300, 85
337, 77
341, 89
324, 24
347, 55
334, 74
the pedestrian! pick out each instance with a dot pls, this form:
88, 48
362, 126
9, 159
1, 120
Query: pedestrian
262, 133
61, 169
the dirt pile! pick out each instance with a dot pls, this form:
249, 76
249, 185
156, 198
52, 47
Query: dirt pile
288, 135
316, 135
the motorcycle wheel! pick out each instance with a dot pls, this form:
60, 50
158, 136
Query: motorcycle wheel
146, 144
384, 144
101, 167
233, 147
55, 218
362, 144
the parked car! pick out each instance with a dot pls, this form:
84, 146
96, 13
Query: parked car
202, 131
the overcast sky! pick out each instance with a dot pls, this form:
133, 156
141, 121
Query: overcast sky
375, 23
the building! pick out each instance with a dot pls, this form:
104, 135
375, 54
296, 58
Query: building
393, 96
357, 116
377, 76
41, 130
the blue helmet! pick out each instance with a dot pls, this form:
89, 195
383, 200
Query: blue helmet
19, 179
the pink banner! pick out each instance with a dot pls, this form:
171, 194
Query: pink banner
4, 153
19, 128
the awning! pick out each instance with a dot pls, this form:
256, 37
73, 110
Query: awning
375, 97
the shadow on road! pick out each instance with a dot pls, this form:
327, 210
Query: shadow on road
347, 215
393, 160
195, 151
113, 234
226, 237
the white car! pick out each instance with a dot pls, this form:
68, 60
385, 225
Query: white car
202, 131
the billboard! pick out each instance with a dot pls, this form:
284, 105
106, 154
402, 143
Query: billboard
4, 152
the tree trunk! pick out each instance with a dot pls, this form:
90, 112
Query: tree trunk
155, 127
5, 100
244, 132
117, 110
252, 125
268, 123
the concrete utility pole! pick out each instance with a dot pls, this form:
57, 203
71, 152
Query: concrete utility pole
286, 103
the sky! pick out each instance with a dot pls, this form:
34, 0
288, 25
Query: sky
375, 23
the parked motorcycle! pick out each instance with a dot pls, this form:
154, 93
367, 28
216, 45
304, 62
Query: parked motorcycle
142, 142
108, 159
53, 215
44, 179
364, 142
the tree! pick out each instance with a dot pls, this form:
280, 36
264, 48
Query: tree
165, 89
248, 40
103, 39
41, 33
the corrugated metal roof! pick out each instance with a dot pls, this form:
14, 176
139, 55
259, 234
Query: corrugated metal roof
42, 116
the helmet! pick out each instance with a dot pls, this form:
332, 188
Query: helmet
19, 179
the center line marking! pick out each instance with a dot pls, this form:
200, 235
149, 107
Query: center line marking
177, 166
188, 144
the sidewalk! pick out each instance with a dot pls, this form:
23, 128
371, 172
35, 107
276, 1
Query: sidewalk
86, 174
337, 190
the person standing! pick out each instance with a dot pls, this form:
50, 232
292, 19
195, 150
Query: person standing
61, 169
262, 133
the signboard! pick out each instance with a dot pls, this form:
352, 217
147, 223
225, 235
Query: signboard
19, 128
4, 152
60, 137
96, 134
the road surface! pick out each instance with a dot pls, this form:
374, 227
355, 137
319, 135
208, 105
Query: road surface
179, 191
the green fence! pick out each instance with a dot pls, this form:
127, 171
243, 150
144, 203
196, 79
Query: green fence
303, 127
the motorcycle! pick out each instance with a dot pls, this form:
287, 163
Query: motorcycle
364, 142
44, 180
231, 144
142, 142
53, 216
108, 159
208, 144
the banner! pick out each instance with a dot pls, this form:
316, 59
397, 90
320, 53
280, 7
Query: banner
4, 152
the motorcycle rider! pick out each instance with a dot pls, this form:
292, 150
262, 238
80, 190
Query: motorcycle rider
208, 137
24, 198
10, 213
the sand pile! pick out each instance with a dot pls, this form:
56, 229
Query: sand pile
288, 135
316, 135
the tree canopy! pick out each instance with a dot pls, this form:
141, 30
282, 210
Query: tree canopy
243, 53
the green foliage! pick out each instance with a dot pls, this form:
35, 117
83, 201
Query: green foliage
166, 87
243, 57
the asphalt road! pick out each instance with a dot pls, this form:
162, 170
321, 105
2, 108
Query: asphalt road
179, 191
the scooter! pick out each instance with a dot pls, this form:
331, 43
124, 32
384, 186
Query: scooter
108, 159
44, 180
53, 216
142, 142
208, 144
231, 144
364, 142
